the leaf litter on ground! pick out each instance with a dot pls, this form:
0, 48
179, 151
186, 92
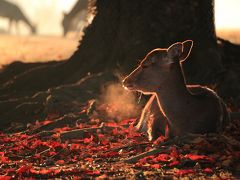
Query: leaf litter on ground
101, 148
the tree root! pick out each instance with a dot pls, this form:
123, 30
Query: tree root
68, 119
154, 151
79, 133
163, 147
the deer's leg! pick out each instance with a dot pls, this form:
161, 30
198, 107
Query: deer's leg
152, 120
17, 28
9, 25
157, 122
143, 121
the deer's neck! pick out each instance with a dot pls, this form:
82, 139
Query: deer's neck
78, 7
172, 94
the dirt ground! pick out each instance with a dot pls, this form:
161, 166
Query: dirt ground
44, 48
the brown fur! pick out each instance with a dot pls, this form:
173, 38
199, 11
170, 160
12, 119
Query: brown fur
186, 109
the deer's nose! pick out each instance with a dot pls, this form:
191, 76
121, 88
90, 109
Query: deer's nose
124, 81
127, 83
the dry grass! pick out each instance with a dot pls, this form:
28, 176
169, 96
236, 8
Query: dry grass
230, 34
35, 48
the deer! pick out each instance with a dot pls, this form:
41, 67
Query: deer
14, 14
174, 108
78, 13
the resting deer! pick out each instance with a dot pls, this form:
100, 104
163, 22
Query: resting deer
14, 14
183, 109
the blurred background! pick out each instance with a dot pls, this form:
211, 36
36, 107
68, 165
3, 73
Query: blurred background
46, 14
43, 37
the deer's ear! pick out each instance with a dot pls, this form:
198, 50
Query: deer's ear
174, 52
187, 48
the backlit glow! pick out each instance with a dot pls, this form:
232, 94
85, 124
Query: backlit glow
48, 14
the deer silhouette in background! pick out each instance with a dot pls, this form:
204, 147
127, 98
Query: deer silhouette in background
14, 14
78, 13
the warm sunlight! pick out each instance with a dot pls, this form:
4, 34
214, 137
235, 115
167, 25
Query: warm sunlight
47, 14
227, 14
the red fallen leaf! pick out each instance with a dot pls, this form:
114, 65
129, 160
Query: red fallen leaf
54, 144
174, 153
145, 159
174, 163
195, 157
45, 122
89, 159
91, 172
37, 156
159, 140
45, 171
163, 158
5, 177
115, 131
52, 153
24, 169
74, 159
66, 128
208, 170
112, 124
23, 136
80, 125
11, 170
56, 135
60, 162
126, 122
76, 147
104, 142
7, 139
88, 140
155, 166
142, 161
36, 143
101, 136
184, 172
110, 154
138, 164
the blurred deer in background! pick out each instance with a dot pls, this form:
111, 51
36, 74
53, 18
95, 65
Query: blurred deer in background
14, 14
181, 108
78, 13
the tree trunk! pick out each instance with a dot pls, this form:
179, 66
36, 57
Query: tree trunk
136, 27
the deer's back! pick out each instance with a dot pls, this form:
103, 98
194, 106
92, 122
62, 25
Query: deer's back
10, 10
207, 111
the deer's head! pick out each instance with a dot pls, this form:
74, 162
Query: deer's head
155, 68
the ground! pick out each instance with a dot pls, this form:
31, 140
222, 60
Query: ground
35, 48
91, 143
